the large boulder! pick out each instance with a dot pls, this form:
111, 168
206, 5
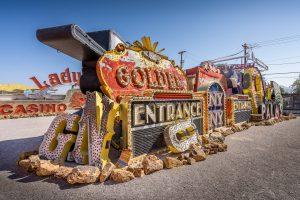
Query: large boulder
246, 125
106, 171
121, 175
136, 167
171, 162
225, 131
26, 154
63, 172
217, 146
25, 164
205, 139
46, 168
197, 153
285, 117
34, 162
190, 161
151, 164
237, 127
217, 137
137, 171
269, 122
83, 174
183, 156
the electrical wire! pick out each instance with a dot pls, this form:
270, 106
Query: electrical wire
285, 58
281, 73
282, 77
282, 40
224, 57
289, 63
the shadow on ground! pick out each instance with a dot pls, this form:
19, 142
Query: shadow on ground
9, 155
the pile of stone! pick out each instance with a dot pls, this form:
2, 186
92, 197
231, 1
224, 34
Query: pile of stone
209, 144
289, 116
137, 167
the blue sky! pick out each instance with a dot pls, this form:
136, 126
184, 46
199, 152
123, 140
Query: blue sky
206, 29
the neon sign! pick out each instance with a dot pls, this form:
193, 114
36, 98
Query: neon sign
55, 79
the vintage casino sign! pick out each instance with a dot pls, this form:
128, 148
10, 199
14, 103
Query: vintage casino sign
214, 97
238, 109
27, 109
31, 108
138, 69
55, 79
147, 119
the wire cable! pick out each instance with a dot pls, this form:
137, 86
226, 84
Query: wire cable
281, 73
288, 63
285, 58
220, 58
282, 39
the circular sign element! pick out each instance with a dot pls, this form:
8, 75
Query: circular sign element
180, 136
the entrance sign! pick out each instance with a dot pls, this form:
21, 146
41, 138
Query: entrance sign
148, 118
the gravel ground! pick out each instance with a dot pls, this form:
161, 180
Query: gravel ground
261, 163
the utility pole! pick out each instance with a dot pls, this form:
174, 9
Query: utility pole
245, 46
181, 58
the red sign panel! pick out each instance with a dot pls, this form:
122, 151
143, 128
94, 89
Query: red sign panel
133, 73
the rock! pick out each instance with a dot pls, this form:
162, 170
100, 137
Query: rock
135, 166
217, 146
191, 161
269, 122
106, 171
34, 162
184, 162
214, 145
63, 172
197, 153
183, 156
225, 131
206, 151
121, 176
137, 172
205, 139
246, 125
137, 161
221, 147
292, 116
285, 117
46, 168
83, 174
171, 162
213, 151
259, 123
25, 155
237, 127
151, 164
25, 164
217, 137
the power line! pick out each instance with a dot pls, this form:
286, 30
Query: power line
282, 73
289, 63
194, 61
285, 58
278, 41
283, 77
282, 39
224, 57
